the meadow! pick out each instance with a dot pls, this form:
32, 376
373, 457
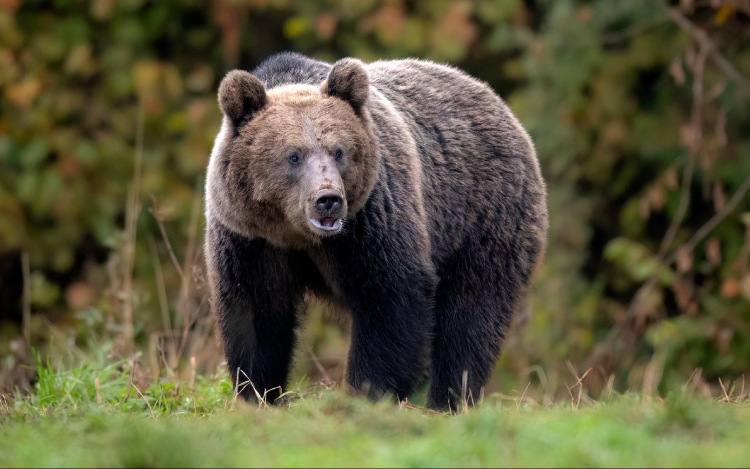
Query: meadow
95, 415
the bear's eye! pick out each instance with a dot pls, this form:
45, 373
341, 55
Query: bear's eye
339, 154
294, 158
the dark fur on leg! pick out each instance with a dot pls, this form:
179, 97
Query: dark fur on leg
256, 303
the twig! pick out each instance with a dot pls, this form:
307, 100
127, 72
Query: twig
632, 31
687, 178
693, 150
160, 286
709, 226
319, 366
187, 267
132, 209
25, 266
717, 57
160, 223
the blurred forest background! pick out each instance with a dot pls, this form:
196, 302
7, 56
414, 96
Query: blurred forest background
640, 111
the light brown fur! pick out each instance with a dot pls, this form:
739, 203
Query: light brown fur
248, 179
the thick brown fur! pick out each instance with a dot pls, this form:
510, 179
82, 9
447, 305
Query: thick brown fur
443, 209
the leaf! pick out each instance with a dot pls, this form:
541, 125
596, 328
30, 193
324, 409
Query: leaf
730, 288
724, 12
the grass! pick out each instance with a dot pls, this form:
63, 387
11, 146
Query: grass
70, 420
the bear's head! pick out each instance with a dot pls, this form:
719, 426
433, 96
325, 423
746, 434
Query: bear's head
293, 163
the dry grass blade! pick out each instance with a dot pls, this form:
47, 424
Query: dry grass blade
151, 409
742, 392
187, 267
237, 389
464, 386
133, 364
132, 210
160, 223
192, 372
161, 288
523, 395
98, 388
576, 402
725, 395
262, 403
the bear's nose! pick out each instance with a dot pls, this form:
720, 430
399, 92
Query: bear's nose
328, 204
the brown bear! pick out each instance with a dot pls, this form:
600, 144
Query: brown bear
405, 191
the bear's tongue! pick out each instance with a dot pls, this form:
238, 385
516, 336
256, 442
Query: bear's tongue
328, 222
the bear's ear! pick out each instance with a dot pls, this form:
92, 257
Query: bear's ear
241, 95
348, 80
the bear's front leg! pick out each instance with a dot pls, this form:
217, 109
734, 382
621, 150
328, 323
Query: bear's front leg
256, 294
389, 293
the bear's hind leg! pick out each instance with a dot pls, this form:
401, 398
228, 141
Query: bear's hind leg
476, 297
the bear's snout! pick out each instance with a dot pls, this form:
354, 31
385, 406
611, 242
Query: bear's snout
327, 211
329, 205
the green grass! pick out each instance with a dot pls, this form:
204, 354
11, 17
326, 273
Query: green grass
66, 422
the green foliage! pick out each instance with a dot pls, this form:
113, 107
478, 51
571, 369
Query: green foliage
96, 386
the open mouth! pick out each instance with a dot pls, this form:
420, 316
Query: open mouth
327, 224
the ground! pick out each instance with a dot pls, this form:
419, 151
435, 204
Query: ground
69, 420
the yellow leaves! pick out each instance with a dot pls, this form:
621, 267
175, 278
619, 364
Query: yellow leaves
455, 32
101, 10
324, 25
80, 61
296, 26
22, 94
724, 12
154, 81
730, 288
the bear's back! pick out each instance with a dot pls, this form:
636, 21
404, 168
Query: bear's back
291, 68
